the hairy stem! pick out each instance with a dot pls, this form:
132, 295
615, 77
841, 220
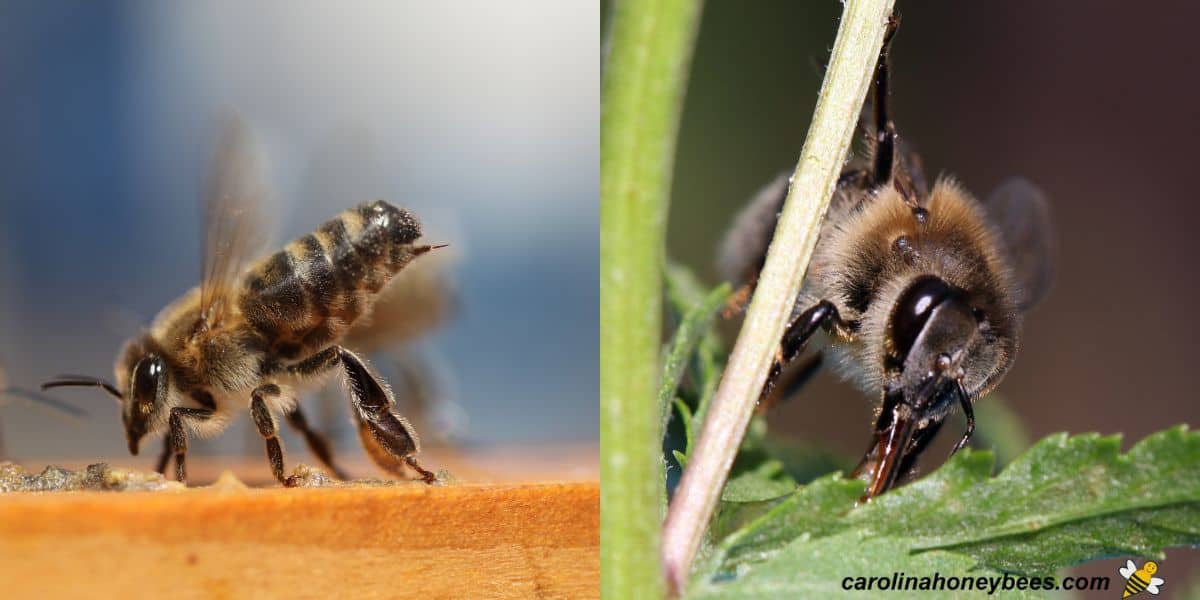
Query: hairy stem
847, 79
644, 81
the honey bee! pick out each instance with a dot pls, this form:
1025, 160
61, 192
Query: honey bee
1138, 580
921, 290
255, 336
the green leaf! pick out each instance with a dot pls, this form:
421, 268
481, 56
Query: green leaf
766, 480
695, 345
685, 415
808, 568
697, 313
1065, 501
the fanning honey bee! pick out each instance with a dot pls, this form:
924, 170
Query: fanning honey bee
920, 289
254, 336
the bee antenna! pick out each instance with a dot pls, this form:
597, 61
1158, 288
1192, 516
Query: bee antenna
83, 381
43, 400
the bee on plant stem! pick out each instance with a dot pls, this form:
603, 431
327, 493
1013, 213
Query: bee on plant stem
254, 336
921, 290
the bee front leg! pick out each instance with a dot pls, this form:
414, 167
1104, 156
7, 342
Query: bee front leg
177, 437
265, 422
795, 337
388, 438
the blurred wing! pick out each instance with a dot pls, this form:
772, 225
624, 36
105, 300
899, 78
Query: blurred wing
233, 202
1128, 570
1153, 586
1021, 214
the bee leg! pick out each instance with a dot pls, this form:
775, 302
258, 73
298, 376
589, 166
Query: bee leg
315, 364
317, 444
387, 437
884, 142
265, 422
177, 436
164, 458
795, 337
793, 383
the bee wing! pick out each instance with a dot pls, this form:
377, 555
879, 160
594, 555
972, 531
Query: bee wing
233, 201
744, 247
1020, 212
1128, 570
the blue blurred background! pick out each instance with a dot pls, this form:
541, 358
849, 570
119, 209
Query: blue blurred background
481, 118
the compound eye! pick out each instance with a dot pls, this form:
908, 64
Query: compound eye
148, 375
913, 309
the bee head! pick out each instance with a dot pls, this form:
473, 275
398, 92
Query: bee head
144, 379
145, 398
941, 347
944, 343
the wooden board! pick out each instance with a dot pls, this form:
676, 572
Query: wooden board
408, 541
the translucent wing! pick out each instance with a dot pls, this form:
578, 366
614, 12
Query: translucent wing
744, 248
1020, 212
1128, 570
232, 221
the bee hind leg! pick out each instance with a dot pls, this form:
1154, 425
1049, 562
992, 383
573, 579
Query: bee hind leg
265, 422
387, 437
177, 437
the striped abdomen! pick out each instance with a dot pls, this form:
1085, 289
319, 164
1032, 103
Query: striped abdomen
305, 297
1134, 585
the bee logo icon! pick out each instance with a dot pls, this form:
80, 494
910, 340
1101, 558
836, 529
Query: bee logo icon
1137, 580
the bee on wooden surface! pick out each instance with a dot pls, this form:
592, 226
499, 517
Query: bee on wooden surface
255, 336
921, 290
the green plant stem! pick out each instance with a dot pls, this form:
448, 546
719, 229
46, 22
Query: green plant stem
644, 82
847, 79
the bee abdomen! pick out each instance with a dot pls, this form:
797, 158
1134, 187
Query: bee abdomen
306, 296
